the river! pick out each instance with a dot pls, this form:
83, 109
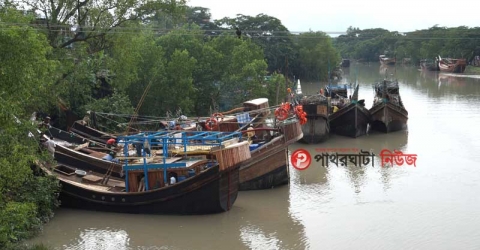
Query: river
431, 206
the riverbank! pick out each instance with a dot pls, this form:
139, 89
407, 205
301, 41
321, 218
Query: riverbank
29, 247
472, 70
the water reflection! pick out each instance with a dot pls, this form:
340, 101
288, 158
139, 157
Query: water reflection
108, 239
259, 220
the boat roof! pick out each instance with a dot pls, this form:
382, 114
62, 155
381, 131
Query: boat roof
185, 138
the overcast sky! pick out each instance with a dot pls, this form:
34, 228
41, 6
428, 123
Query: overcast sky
338, 15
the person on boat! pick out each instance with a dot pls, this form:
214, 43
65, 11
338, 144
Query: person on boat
110, 157
51, 145
111, 143
138, 148
86, 120
45, 123
322, 92
146, 146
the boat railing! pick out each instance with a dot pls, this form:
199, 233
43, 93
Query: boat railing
210, 140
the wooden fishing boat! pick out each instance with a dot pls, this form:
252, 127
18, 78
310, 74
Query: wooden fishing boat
345, 63
161, 184
388, 112
317, 128
386, 60
268, 166
429, 65
452, 65
82, 128
352, 118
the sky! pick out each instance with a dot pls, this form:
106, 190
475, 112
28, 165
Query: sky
333, 16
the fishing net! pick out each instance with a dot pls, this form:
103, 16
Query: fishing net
313, 99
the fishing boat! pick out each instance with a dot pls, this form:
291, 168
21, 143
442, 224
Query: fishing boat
345, 63
429, 65
202, 179
388, 112
386, 60
268, 166
349, 116
452, 65
87, 127
317, 128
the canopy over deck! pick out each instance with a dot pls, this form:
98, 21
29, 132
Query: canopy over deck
169, 140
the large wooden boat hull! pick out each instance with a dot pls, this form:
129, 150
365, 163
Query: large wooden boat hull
212, 191
90, 133
317, 128
266, 169
268, 166
453, 68
351, 121
387, 117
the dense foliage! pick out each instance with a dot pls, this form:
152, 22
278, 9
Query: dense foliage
368, 44
26, 74
69, 57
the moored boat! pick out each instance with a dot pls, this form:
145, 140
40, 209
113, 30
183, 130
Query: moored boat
386, 60
429, 65
317, 128
204, 183
87, 127
388, 112
452, 65
345, 63
268, 166
349, 117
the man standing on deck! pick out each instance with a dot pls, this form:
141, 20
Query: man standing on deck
111, 143
51, 146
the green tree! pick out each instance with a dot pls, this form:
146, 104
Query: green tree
317, 55
26, 200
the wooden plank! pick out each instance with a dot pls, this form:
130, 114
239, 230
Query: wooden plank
91, 178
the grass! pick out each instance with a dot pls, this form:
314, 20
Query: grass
472, 70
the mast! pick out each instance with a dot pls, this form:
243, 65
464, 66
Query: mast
329, 85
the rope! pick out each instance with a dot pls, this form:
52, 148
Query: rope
138, 106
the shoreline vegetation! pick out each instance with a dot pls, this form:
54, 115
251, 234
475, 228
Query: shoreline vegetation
196, 66
472, 70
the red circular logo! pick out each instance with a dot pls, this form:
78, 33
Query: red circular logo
301, 159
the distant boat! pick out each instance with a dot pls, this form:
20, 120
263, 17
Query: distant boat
345, 63
386, 60
388, 112
429, 65
452, 65
203, 183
